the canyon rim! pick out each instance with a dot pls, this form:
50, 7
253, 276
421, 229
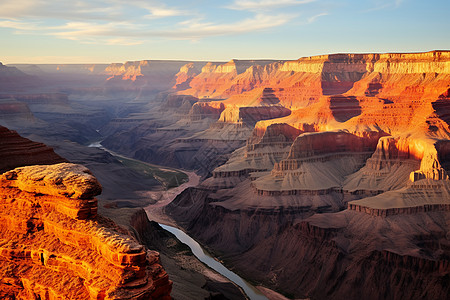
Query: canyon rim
258, 149
324, 177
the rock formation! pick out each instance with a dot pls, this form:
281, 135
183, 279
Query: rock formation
185, 75
55, 246
218, 80
364, 150
14, 111
17, 151
150, 74
323, 176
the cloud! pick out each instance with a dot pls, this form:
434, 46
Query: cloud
22, 26
18, 8
129, 34
132, 22
123, 42
259, 22
265, 4
60, 59
385, 4
315, 17
164, 12
84, 9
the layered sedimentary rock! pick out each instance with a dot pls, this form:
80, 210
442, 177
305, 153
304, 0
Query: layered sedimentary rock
150, 74
18, 151
12, 110
55, 246
317, 163
327, 256
367, 134
184, 77
251, 115
305, 80
384, 94
262, 151
220, 80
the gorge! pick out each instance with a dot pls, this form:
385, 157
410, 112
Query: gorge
325, 177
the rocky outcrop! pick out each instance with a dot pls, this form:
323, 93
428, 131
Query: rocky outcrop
17, 151
275, 133
184, 77
218, 80
180, 103
202, 110
315, 144
72, 181
53, 245
317, 164
251, 115
149, 74
263, 150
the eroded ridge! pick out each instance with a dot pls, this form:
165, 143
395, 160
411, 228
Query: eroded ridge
53, 245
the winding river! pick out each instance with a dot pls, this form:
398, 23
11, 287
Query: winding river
202, 255
198, 251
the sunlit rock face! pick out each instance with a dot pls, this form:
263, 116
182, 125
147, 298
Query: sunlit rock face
353, 180
53, 245
303, 81
218, 80
404, 96
149, 74
184, 77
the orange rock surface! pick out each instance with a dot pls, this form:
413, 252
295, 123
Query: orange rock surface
393, 107
234, 77
53, 245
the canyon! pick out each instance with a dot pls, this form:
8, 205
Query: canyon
324, 177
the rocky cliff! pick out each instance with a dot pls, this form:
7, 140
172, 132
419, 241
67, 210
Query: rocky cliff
148, 74
340, 188
17, 151
218, 80
346, 196
368, 74
55, 246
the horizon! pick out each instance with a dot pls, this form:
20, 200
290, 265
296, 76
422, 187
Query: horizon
218, 61
45, 32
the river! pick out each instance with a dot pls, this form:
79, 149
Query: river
198, 251
202, 255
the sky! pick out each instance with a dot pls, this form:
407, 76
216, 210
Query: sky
105, 31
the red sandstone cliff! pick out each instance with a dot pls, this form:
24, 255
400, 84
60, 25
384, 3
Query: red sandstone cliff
309, 78
53, 245
367, 132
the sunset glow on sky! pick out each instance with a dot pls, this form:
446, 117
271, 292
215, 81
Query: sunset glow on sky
104, 31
